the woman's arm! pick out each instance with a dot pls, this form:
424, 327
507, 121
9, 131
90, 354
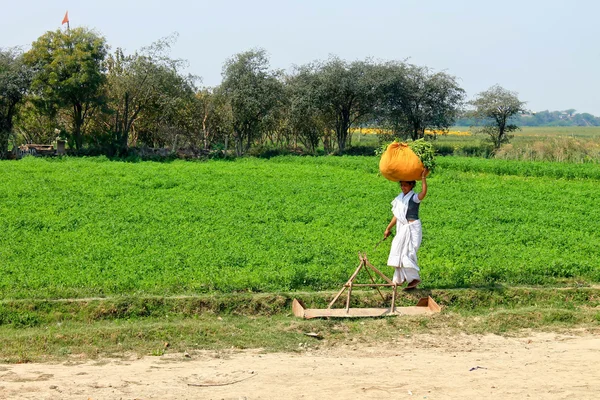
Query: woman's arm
388, 230
423, 185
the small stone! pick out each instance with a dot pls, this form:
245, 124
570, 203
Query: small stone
313, 334
53, 387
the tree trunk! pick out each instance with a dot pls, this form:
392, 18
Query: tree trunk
249, 143
237, 137
77, 123
134, 136
414, 135
501, 129
5, 130
204, 132
125, 131
4, 136
342, 131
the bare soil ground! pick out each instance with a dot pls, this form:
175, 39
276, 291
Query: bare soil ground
536, 366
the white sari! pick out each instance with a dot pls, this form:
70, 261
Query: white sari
406, 243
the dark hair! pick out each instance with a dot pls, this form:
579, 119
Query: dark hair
411, 183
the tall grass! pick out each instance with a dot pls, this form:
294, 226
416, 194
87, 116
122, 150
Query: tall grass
559, 149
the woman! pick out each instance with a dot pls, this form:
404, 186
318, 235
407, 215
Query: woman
406, 243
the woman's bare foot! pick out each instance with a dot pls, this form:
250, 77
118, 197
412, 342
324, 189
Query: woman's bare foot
412, 284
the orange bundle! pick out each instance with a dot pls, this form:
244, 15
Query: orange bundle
400, 163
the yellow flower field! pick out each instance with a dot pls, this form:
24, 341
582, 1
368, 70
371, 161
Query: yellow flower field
381, 131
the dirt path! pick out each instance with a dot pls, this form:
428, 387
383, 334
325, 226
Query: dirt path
541, 366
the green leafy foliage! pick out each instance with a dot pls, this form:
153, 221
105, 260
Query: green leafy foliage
15, 78
69, 73
425, 151
416, 99
93, 227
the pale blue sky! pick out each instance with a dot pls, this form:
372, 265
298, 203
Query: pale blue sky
547, 51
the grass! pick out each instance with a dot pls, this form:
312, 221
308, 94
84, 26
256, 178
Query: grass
590, 132
91, 227
76, 330
162, 258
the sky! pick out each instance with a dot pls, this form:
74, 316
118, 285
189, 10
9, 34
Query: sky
545, 50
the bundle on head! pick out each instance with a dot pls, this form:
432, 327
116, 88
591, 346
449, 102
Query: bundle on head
406, 162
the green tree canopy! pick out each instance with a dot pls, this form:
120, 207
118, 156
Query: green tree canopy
69, 72
305, 119
213, 112
346, 93
15, 78
143, 84
253, 92
416, 99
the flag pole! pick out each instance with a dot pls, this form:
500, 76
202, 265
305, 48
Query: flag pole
66, 19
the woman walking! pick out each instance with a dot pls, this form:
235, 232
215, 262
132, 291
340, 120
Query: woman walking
406, 243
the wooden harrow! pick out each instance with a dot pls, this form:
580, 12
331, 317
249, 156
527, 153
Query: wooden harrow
425, 305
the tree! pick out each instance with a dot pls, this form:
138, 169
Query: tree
586, 119
253, 92
303, 112
495, 107
15, 78
208, 118
345, 94
163, 121
136, 82
416, 99
69, 72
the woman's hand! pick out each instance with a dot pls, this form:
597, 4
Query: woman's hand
423, 184
388, 229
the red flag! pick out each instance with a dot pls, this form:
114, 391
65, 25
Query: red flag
66, 18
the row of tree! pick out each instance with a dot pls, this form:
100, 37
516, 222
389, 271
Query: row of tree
69, 84
544, 118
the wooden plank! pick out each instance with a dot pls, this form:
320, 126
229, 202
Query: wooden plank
298, 308
364, 312
342, 313
429, 303
414, 310
371, 284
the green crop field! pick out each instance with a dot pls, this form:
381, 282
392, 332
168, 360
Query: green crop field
93, 227
563, 144
524, 134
